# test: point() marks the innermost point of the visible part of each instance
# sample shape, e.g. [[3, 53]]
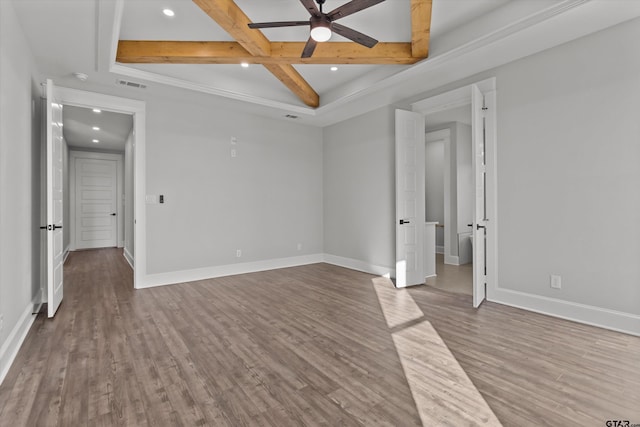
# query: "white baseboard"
[[128, 257], [440, 249], [11, 346], [581, 313], [358, 265], [183, 276], [66, 254], [451, 260]]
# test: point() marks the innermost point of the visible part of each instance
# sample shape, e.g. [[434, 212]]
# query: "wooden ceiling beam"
[[420, 27], [183, 52], [235, 22]]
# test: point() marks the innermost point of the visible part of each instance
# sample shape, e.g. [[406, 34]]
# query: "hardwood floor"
[[452, 278], [311, 345]]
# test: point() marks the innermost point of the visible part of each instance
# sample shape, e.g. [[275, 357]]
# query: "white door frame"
[[458, 98], [118, 158], [79, 98]]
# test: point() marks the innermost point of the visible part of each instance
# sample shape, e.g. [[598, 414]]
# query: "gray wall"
[[568, 161], [19, 177], [359, 192], [464, 178], [434, 186], [568, 168], [264, 201]]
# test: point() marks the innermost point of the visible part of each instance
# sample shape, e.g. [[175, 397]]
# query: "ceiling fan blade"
[[309, 48], [352, 7], [354, 35], [255, 25], [310, 5]]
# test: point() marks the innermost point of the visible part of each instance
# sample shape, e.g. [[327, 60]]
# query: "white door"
[[95, 210], [410, 209], [479, 208], [54, 202]]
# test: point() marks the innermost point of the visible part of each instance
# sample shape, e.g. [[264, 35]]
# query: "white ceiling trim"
[[184, 84]]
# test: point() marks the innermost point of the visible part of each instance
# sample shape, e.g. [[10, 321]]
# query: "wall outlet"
[[299, 246], [556, 281], [238, 253], [234, 153]]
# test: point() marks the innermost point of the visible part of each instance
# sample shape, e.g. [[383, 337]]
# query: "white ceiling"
[[467, 37], [389, 21], [78, 124]]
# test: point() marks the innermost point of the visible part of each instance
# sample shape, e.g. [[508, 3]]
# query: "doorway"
[[449, 196], [411, 144], [71, 98]]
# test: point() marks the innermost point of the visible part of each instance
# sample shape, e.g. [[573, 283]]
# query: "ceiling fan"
[[322, 24]]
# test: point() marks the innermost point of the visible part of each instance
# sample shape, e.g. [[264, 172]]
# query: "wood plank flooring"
[[311, 345]]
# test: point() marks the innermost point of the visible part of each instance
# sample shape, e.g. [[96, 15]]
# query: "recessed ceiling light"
[[244, 64], [168, 12], [97, 110], [334, 68], [95, 141], [96, 128]]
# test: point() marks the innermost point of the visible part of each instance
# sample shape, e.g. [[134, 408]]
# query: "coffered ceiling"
[[466, 37]]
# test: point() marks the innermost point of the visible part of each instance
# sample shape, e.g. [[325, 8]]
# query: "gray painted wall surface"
[[264, 201], [359, 196], [434, 186], [19, 173], [568, 168], [568, 160]]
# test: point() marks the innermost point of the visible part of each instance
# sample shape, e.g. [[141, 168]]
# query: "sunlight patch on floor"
[[442, 391]]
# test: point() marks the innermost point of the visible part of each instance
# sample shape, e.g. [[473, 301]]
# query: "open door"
[[479, 208], [410, 216], [54, 201]]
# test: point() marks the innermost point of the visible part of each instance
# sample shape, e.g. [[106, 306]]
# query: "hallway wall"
[[19, 183]]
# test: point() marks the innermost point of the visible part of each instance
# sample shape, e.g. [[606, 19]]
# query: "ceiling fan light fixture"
[[320, 29]]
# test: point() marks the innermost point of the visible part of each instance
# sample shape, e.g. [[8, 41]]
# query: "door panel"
[[55, 243], [479, 205], [410, 140], [96, 203]]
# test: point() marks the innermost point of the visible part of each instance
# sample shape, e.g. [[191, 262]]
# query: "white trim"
[[119, 159], [582, 313], [127, 255], [355, 264], [169, 278], [452, 99], [65, 254], [184, 84], [82, 98], [451, 260], [12, 344]]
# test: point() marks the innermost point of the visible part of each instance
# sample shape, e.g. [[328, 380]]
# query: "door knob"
[[404, 221], [113, 214]]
